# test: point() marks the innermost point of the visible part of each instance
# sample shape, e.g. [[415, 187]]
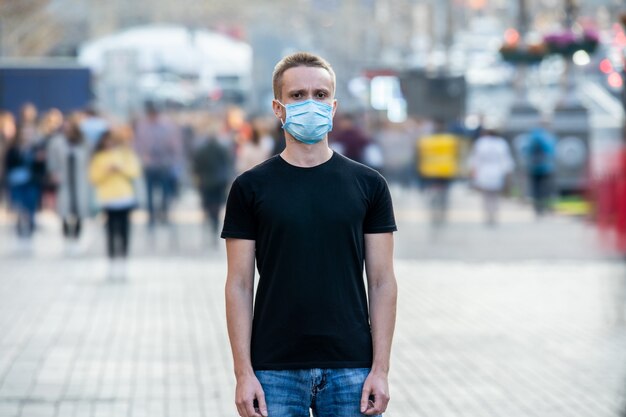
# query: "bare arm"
[[382, 289], [239, 293]]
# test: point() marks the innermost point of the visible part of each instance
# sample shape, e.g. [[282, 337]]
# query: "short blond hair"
[[298, 59]]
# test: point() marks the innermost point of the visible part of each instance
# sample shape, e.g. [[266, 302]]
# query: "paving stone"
[[513, 336], [9, 409], [38, 410]]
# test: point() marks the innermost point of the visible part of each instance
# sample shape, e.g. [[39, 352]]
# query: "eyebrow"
[[304, 90]]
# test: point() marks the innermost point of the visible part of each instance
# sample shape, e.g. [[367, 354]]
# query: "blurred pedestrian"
[[159, 145], [257, 149], [92, 126], [474, 132], [50, 127], [8, 131], [311, 218], [27, 123], [187, 123], [213, 168], [438, 157], [113, 170], [490, 164], [397, 141], [24, 173], [29, 131], [236, 126], [540, 152], [68, 167], [349, 139]]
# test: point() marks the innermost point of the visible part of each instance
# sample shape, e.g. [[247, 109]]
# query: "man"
[[311, 219], [213, 168], [159, 145], [490, 164], [540, 152], [438, 166]]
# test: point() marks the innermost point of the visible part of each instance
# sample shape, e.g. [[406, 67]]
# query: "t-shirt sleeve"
[[380, 217], [239, 221]]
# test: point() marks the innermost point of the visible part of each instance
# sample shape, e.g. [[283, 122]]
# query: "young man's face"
[[304, 83]]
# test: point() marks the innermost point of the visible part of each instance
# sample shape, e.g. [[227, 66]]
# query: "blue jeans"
[[541, 188], [25, 200], [327, 392], [159, 181]]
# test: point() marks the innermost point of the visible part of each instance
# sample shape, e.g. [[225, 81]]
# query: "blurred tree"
[[27, 28], [353, 34]]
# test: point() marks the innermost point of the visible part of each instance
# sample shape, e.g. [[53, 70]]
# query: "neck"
[[306, 156]]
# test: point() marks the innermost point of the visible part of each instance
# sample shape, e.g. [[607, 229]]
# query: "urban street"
[[521, 319]]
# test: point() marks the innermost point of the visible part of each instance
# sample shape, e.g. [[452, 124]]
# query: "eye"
[[296, 95], [321, 95]]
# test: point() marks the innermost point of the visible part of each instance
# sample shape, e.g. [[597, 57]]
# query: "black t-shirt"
[[311, 307]]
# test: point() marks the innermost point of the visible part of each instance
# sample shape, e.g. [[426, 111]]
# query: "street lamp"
[[522, 18]]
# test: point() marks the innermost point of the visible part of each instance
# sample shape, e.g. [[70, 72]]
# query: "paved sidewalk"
[[473, 340], [516, 321], [519, 235]]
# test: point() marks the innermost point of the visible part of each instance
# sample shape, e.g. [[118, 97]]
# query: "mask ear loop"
[[281, 120]]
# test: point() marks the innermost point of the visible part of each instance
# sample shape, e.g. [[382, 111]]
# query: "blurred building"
[[389, 31], [352, 34]]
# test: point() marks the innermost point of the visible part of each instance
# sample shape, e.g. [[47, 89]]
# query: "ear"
[[334, 107], [278, 110]]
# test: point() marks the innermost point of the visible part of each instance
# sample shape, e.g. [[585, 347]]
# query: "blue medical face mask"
[[308, 121]]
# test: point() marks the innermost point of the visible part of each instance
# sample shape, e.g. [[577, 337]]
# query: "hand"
[[375, 396], [250, 398]]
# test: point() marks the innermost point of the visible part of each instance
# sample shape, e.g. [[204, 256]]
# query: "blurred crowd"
[[83, 163]]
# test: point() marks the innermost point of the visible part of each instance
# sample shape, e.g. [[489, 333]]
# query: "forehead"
[[298, 78]]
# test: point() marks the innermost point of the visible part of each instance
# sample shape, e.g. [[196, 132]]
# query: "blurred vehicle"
[[231, 89], [434, 96], [47, 83], [169, 64], [168, 88]]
